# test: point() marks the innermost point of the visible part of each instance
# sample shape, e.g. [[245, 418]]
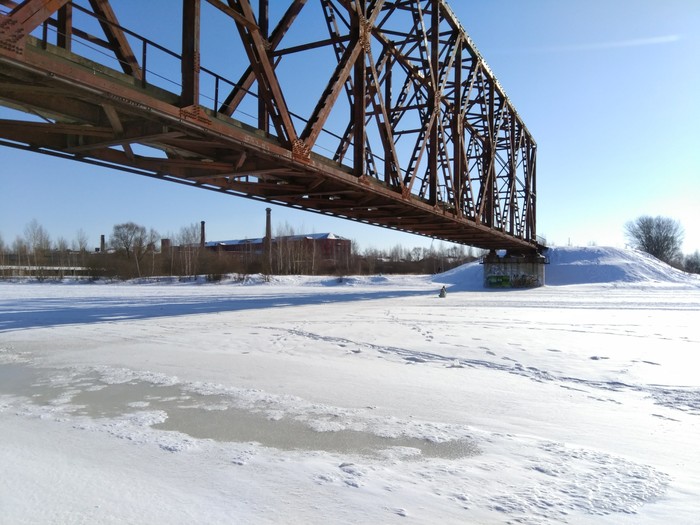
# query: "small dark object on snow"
[[443, 292]]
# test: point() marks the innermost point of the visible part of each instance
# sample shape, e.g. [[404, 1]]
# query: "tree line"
[[133, 251]]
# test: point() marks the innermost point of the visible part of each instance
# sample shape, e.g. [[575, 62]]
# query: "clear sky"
[[610, 90]]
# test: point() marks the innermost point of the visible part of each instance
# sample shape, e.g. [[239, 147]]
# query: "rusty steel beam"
[[116, 37], [24, 18], [423, 138], [65, 27], [248, 78], [189, 65], [263, 66]]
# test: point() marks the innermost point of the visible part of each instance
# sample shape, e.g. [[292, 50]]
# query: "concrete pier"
[[514, 270]]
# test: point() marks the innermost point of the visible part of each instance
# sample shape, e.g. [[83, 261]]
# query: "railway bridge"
[[378, 111]]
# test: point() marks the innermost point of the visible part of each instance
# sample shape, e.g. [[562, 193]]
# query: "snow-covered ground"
[[361, 400]]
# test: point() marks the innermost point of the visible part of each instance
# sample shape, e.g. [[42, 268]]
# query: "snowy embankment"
[[592, 265], [595, 265], [361, 400]]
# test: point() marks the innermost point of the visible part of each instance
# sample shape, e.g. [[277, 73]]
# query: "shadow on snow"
[[21, 314]]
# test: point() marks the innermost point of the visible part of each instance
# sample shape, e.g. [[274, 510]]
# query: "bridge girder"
[[422, 136]]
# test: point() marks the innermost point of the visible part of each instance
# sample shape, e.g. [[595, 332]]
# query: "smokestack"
[[102, 243], [268, 226], [202, 237], [165, 245], [267, 242]]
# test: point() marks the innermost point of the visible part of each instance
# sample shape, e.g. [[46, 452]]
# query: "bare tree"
[[188, 241], [658, 236], [133, 240], [61, 244], [128, 237], [3, 249], [38, 241], [19, 248], [62, 249], [284, 249], [80, 243], [692, 263], [372, 255], [397, 253]]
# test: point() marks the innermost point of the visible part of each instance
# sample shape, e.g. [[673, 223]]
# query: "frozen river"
[[356, 401]]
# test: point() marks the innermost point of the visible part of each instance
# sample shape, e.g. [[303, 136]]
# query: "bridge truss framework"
[[406, 127]]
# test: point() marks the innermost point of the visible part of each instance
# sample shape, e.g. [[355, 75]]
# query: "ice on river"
[[355, 400]]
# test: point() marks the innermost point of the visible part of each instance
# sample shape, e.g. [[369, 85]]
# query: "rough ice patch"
[[568, 480], [136, 427], [10, 356], [117, 376]]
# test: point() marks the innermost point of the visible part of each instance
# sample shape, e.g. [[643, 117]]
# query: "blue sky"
[[610, 90]]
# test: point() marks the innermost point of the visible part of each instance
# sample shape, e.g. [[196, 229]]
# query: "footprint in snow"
[[399, 511], [665, 417]]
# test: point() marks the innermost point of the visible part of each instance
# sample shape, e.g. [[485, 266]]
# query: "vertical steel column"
[[65, 27], [264, 23], [512, 203], [434, 102], [488, 176], [531, 190], [360, 88], [388, 157], [190, 52], [458, 133]]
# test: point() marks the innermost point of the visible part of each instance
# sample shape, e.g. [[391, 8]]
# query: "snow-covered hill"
[[594, 265], [588, 265]]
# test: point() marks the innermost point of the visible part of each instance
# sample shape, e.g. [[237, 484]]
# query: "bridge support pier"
[[513, 270]]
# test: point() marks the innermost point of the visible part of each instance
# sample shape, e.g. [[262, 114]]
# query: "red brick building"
[[327, 246]]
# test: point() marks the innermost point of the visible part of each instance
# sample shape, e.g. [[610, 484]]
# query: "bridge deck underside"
[[100, 116]]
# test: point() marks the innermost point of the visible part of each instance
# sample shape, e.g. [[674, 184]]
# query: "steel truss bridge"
[[378, 111]]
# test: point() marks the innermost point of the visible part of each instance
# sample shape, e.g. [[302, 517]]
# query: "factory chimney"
[[202, 236], [267, 242]]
